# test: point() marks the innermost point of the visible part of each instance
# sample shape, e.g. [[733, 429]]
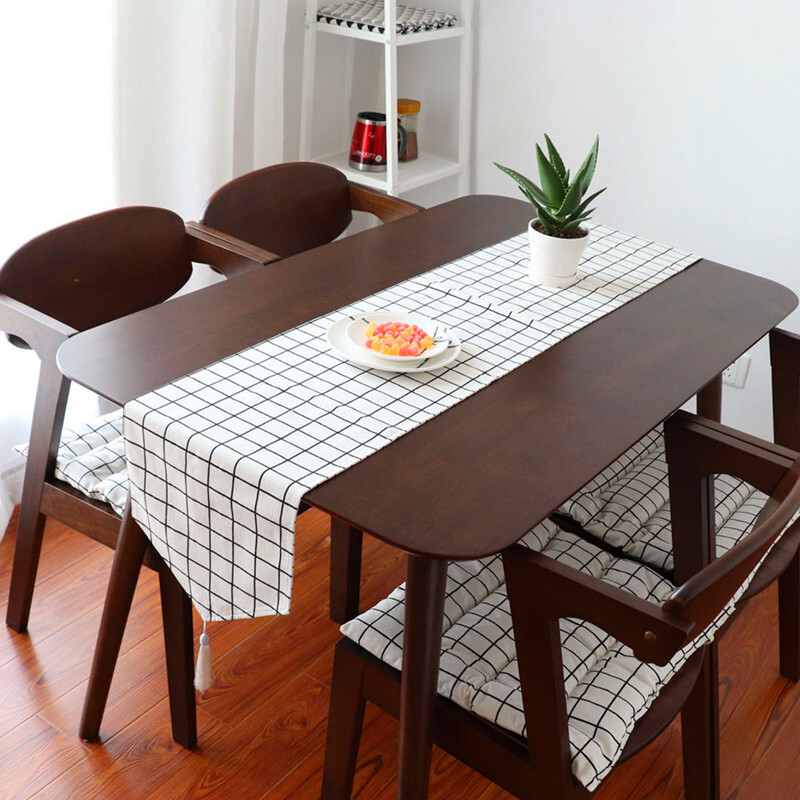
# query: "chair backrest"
[[101, 267], [285, 208]]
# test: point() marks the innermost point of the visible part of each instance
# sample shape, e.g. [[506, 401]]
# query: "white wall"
[[697, 104]]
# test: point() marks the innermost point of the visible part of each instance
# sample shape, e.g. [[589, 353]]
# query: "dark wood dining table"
[[494, 465]]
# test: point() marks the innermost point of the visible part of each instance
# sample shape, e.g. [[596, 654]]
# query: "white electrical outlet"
[[736, 374]]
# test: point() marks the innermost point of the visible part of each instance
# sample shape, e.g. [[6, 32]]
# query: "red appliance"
[[368, 148]]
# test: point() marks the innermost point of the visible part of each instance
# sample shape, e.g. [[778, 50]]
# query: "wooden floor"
[[262, 725]]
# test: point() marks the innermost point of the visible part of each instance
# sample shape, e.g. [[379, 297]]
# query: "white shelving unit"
[[399, 176]]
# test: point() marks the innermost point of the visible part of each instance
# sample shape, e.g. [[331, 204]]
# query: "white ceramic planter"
[[554, 261]]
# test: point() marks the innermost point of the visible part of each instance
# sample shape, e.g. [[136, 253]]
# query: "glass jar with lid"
[[408, 114]]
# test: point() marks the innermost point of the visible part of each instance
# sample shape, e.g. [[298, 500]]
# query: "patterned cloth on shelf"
[[368, 15], [91, 458], [607, 688]]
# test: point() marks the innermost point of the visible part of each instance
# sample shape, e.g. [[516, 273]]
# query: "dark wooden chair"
[[555, 581], [288, 208], [70, 279], [785, 371], [626, 508]]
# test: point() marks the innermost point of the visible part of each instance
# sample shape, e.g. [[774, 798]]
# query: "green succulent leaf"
[[572, 200], [549, 223], [572, 224], [548, 227], [528, 196], [586, 172], [556, 161], [551, 181], [580, 209], [541, 215], [529, 188]]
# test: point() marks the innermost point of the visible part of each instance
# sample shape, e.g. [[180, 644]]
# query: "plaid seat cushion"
[[627, 505], [607, 688], [91, 459]]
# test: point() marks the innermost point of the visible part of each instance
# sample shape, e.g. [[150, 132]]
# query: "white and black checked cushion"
[[607, 688], [91, 458], [219, 460], [368, 15], [627, 505]]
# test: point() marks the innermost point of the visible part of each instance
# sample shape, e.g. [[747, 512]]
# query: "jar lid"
[[407, 106]]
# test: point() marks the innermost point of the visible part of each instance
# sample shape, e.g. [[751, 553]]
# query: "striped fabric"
[[627, 506], [91, 459], [607, 688], [368, 15]]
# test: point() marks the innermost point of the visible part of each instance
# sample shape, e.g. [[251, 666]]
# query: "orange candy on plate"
[[397, 339]]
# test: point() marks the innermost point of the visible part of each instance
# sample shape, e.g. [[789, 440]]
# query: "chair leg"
[[125, 568], [345, 720], [789, 619], [176, 613], [345, 571], [700, 733], [28, 548], [48, 418]]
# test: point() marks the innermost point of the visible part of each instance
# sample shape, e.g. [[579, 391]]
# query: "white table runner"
[[219, 460]]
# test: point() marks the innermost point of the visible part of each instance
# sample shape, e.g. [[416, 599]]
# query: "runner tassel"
[[202, 673]]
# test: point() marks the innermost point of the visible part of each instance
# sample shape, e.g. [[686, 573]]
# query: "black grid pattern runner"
[[219, 460]]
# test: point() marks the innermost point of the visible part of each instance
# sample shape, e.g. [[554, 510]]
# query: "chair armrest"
[[384, 207], [697, 450], [784, 351], [539, 585], [224, 254], [700, 447], [39, 331]]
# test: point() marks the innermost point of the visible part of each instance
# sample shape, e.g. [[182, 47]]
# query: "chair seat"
[[607, 688], [91, 459], [627, 506]]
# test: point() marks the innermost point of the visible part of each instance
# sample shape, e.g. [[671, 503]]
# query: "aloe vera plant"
[[561, 204]]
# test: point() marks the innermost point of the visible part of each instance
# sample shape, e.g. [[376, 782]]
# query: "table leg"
[[176, 613], [128, 557], [345, 570], [709, 399], [422, 637]]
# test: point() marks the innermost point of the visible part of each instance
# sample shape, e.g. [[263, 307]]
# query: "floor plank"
[[262, 725], [31, 754]]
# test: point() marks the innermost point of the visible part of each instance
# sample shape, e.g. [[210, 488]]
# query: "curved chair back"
[[101, 267], [285, 208]]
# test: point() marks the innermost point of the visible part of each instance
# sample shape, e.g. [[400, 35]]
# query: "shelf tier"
[[383, 38], [413, 174]]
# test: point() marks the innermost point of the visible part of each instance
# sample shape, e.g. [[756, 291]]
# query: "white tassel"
[[202, 673]]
